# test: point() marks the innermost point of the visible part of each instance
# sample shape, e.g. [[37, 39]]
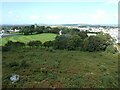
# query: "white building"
[[2, 31], [60, 32], [16, 30]]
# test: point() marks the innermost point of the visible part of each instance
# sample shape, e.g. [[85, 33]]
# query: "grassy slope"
[[61, 68], [42, 37]]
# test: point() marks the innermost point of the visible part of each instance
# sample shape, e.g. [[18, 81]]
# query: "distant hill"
[[92, 25]]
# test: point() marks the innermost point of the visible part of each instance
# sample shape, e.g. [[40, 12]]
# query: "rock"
[[14, 78]]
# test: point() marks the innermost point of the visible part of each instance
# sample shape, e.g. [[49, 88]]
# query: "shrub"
[[51, 49], [14, 44], [119, 44], [23, 64], [9, 43], [95, 43], [108, 81], [44, 70], [76, 81], [67, 41], [48, 44], [103, 68], [51, 75], [55, 30], [21, 44], [13, 64], [83, 34], [111, 49], [5, 48], [34, 43]]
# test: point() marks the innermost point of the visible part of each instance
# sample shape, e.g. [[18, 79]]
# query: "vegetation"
[[48, 44], [22, 38], [95, 43], [67, 41], [39, 68], [111, 49], [27, 30], [69, 60], [14, 44], [72, 41], [34, 43]]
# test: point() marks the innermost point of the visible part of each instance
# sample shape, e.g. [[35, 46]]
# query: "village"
[[113, 31], [56, 44]]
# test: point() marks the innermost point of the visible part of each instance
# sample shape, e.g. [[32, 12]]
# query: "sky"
[[84, 12]]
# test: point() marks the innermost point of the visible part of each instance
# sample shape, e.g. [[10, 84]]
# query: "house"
[[91, 34], [16, 30], [60, 32], [2, 31]]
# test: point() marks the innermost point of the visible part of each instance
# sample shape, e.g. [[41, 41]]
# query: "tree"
[[55, 30], [106, 38], [74, 31], [65, 30], [83, 34], [74, 42], [60, 41], [31, 29], [48, 29], [28, 30], [42, 28], [39, 29], [25, 30], [67, 41], [97, 43]]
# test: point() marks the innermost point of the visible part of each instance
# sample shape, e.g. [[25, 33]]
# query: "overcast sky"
[[92, 12]]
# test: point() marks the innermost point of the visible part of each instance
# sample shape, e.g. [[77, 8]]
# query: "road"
[[7, 35]]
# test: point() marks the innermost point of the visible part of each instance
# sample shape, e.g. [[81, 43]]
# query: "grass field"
[[60, 68], [22, 38]]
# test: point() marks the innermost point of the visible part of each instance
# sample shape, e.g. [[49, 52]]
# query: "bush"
[[13, 64], [83, 34], [21, 44], [24, 64], [95, 43], [34, 43], [48, 44], [111, 49], [51, 75], [51, 49], [119, 44], [76, 81], [108, 81], [5, 48], [14, 44], [55, 30], [9, 43], [67, 41]]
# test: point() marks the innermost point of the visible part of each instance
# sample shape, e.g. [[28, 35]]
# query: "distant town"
[[7, 30]]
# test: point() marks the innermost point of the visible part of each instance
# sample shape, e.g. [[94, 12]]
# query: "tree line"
[[74, 40], [28, 30]]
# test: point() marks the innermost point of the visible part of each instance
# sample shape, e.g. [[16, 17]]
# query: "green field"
[[22, 38], [60, 68]]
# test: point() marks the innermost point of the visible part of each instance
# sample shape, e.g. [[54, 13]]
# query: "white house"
[[2, 31], [16, 30], [60, 32], [91, 34]]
